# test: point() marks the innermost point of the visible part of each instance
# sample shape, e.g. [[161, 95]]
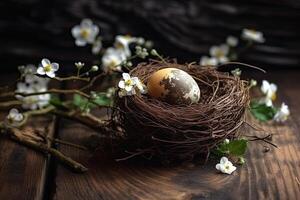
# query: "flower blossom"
[[269, 90], [15, 116], [33, 84], [122, 43], [85, 33], [130, 86], [282, 114], [232, 41], [253, 35], [207, 61], [97, 46], [220, 53], [112, 59], [47, 68], [225, 166]]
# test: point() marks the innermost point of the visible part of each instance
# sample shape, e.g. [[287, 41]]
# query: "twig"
[[70, 78], [241, 64], [68, 143], [16, 135], [9, 104], [50, 91]]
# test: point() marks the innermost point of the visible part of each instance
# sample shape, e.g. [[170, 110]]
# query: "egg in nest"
[[173, 86]]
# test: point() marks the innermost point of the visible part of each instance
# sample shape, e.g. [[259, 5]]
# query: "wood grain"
[[23, 172], [33, 29], [271, 175]]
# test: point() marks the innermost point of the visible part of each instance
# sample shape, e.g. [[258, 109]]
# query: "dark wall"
[[32, 29]]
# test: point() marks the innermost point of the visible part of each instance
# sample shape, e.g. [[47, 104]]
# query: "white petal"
[[80, 42], [45, 62], [213, 50], [128, 88], [121, 84], [55, 66], [218, 166], [51, 74], [224, 48], [126, 76], [19, 117], [86, 23], [13, 112], [76, 30], [223, 160], [41, 71]]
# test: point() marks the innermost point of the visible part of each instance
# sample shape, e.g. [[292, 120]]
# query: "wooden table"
[[25, 174]]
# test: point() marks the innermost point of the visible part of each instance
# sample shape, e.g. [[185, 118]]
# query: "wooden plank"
[[23, 172], [271, 175]]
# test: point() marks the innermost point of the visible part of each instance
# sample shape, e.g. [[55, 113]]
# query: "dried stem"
[[71, 78], [18, 136], [50, 91]]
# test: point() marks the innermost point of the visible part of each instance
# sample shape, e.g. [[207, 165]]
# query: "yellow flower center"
[[227, 167], [47, 68], [85, 33], [112, 64], [128, 82], [219, 54], [273, 97]]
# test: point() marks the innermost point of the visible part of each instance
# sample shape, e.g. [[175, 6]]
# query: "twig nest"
[[177, 132], [174, 86]]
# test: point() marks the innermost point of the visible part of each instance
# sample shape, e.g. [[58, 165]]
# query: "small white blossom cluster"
[[14, 116], [225, 166], [113, 57], [117, 55], [32, 83], [86, 33], [130, 86], [269, 90], [226, 52]]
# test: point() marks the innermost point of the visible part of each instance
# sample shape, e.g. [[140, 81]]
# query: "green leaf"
[[55, 101], [103, 100], [237, 147], [83, 103], [261, 111], [233, 148]]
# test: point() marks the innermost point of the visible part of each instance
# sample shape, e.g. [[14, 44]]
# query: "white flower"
[[97, 46], [32, 102], [15, 116], [232, 41], [140, 86], [131, 86], [122, 42], [94, 68], [33, 84], [85, 33], [220, 53], [236, 72], [112, 59], [253, 83], [207, 61], [79, 65], [282, 114], [269, 89], [48, 68], [252, 35], [28, 69], [127, 83], [225, 166], [110, 92], [226, 141]]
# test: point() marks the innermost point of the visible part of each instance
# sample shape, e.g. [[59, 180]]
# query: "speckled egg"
[[173, 86]]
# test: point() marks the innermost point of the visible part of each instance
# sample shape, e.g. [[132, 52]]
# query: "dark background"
[[185, 29]]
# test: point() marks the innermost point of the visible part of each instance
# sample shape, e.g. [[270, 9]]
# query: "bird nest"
[[155, 128]]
